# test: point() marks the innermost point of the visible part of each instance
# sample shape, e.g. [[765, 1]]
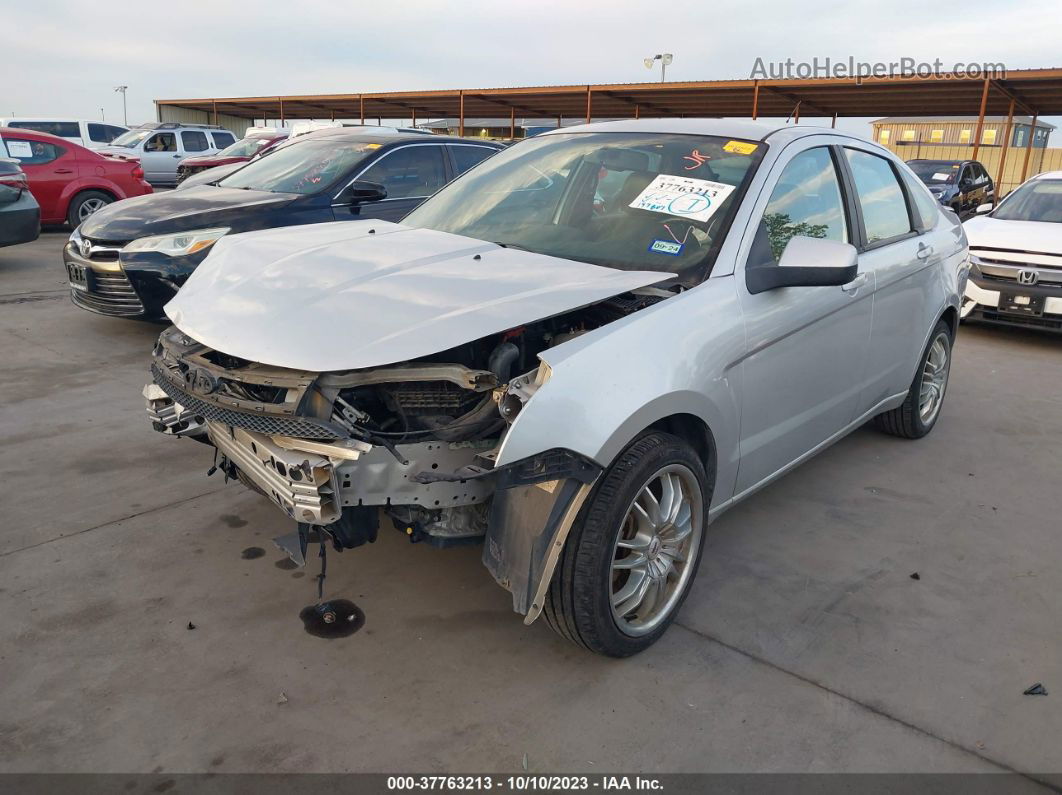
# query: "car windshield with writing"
[[935, 172], [307, 167], [632, 201]]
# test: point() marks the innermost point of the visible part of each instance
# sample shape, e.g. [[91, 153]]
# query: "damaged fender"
[[623, 362]]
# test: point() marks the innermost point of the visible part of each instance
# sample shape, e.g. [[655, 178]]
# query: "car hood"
[[355, 294], [1035, 236], [177, 211]]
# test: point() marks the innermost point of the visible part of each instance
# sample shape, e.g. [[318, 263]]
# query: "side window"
[[806, 202], [161, 142], [113, 132], [468, 156], [409, 172], [194, 141], [222, 139], [926, 206], [64, 129], [101, 133], [33, 153], [880, 196]]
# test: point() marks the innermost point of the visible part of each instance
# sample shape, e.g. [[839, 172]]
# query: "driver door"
[[159, 156], [410, 174], [806, 346]]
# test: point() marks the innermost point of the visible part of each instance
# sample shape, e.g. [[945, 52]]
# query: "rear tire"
[[918, 413], [85, 204], [640, 530]]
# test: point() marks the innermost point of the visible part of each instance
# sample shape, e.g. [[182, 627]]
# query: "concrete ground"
[[806, 645]]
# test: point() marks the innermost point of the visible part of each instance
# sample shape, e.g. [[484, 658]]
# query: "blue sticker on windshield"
[[666, 247]]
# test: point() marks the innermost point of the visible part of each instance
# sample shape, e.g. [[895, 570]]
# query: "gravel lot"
[[806, 644]]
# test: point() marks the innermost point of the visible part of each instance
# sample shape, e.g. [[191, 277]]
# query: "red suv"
[[240, 152], [69, 181]]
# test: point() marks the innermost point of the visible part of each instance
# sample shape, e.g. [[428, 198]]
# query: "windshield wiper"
[[511, 245]]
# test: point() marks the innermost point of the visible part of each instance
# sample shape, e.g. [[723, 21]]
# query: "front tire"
[[633, 552], [85, 204], [918, 413]]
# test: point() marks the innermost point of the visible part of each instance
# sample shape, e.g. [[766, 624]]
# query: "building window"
[[964, 136], [908, 135], [988, 138], [1019, 137], [936, 136], [883, 137]]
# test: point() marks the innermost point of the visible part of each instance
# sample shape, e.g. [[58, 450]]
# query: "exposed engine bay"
[[416, 441]]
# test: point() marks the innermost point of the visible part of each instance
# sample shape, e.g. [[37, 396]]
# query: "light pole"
[[125, 117], [665, 61]]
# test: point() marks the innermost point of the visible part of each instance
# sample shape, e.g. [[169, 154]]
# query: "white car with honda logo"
[[1016, 257]]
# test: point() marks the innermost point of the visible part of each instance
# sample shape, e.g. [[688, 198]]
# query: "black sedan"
[[131, 257]]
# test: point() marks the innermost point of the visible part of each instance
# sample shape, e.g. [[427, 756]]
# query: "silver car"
[[579, 353]]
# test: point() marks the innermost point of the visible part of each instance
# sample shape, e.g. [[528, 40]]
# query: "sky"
[[64, 57]]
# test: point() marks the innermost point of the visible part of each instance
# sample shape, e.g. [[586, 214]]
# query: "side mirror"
[[362, 193], [983, 208], [806, 262]]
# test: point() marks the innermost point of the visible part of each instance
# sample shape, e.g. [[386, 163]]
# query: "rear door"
[[159, 156], [410, 174], [807, 346], [49, 167], [902, 257]]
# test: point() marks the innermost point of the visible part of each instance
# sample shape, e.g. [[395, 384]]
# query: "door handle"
[[64, 171], [855, 284], [924, 251], [176, 155]]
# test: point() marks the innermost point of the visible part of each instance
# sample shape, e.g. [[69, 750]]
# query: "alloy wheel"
[[656, 550], [934, 380]]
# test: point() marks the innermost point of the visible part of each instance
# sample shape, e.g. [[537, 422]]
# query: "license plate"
[[78, 275], [1021, 304]]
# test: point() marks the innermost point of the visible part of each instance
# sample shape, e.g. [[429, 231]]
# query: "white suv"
[[162, 146], [90, 134]]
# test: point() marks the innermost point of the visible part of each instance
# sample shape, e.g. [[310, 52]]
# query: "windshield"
[[633, 201], [244, 148], [1035, 201], [131, 138], [935, 172], [305, 167]]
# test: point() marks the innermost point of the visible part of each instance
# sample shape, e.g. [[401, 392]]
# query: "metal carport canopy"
[[1033, 91]]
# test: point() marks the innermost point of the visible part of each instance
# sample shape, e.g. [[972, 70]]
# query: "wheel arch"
[[90, 188]]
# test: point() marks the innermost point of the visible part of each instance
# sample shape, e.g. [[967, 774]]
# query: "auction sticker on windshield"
[[686, 197]]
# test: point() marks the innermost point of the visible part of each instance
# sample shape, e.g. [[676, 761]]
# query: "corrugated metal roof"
[[1032, 91], [950, 119]]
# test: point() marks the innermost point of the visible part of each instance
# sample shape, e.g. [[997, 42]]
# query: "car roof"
[[749, 130], [359, 135], [1049, 175]]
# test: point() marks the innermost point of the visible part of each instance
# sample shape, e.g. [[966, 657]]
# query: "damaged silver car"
[[578, 353]]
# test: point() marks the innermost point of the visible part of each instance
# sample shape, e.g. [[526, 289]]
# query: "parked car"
[[962, 185], [298, 130], [130, 259], [255, 142], [580, 352], [20, 216], [161, 147], [84, 132], [1016, 256], [69, 181]]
